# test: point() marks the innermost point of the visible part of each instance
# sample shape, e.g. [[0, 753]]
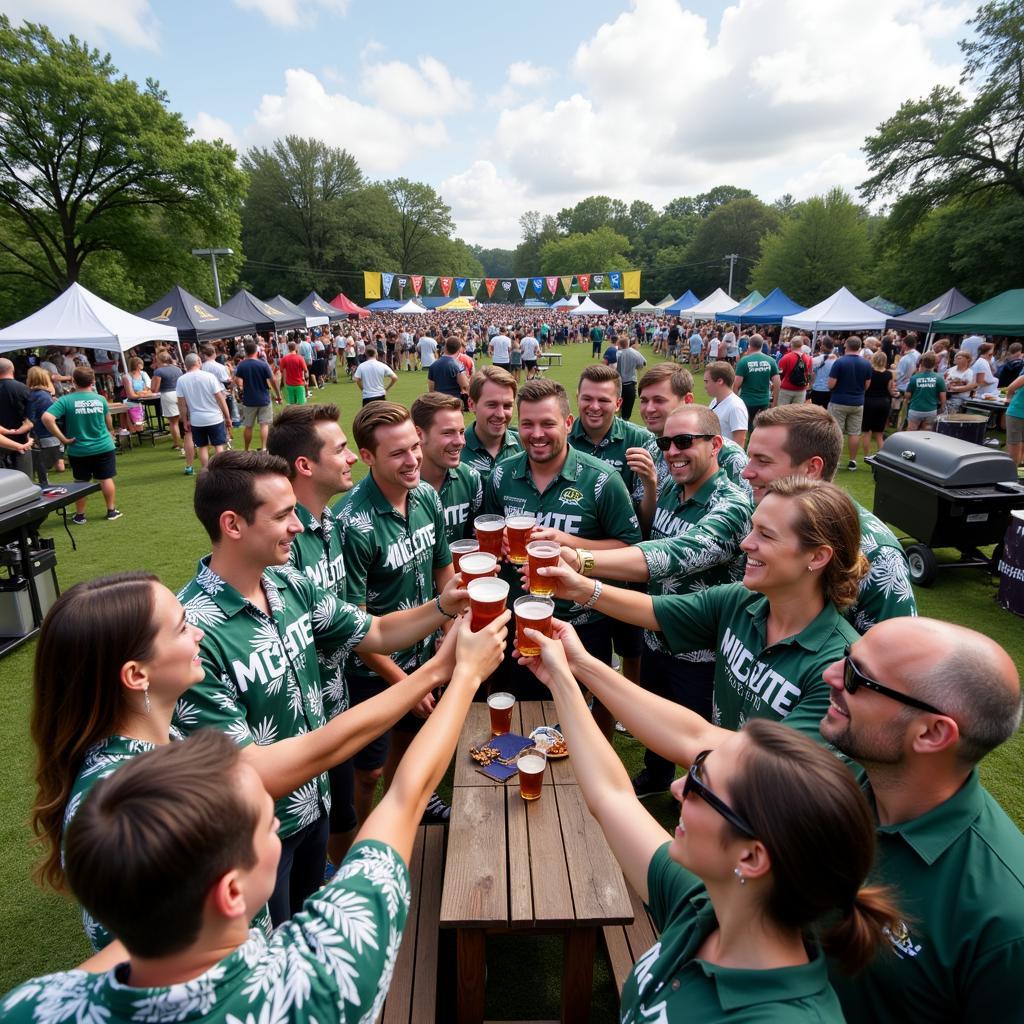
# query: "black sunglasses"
[[695, 784], [853, 679], [681, 441]]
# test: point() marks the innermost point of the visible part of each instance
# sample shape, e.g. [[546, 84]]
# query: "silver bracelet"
[[598, 587], [437, 601]]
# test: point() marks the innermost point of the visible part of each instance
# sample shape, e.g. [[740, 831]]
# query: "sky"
[[534, 106]]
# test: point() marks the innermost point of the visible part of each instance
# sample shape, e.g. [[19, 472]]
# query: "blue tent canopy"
[[776, 305], [683, 302], [745, 305], [384, 305], [433, 301]]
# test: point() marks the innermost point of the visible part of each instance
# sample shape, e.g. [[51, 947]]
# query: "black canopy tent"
[[315, 304], [264, 316], [309, 319], [193, 318], [922, 318]]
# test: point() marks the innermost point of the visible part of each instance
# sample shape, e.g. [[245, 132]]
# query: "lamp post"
[[213, 254]]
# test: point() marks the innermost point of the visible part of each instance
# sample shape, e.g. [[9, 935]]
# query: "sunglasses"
[[854, 679], [695, 784], [681, 441]]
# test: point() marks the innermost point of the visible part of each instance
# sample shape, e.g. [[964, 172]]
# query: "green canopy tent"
[[1003, 314]]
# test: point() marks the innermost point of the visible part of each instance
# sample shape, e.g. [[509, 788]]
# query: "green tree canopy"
[[422, 213], [602, 249]]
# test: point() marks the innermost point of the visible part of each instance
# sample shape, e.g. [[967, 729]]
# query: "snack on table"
[[550, 740]]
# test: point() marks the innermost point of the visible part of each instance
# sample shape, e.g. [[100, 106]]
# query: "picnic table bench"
[[625, 944], [549, 356]]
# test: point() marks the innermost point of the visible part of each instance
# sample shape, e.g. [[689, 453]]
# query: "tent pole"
[[181, 355]]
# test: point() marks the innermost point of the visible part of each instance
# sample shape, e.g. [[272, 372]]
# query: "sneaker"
[[114, 513], [78, 519], [644, 786], [437, 812], [188, 471], [851, 465], [619, 727]]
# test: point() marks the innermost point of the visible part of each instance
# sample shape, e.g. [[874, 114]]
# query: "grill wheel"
[[924, 566]]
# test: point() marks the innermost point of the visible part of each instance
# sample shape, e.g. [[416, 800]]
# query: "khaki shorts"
[[787, 397], [849, 417], [253, 414], [1015, 429]]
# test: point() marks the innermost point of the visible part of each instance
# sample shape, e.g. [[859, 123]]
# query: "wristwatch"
[[586, 561]]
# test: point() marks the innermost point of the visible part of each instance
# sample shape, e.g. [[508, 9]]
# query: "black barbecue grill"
[[945, 493]]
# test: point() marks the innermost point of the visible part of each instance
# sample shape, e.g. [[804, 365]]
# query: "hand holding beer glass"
[[542, 553], [487, 598], [531, 764], [532, 613]]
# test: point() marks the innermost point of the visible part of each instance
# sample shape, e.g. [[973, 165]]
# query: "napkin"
[[508, 746]]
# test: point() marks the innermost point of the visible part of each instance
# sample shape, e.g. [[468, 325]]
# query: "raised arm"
[[397, 630]]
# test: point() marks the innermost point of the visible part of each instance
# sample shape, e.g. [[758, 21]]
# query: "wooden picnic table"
[[549, 356], [526, 867]]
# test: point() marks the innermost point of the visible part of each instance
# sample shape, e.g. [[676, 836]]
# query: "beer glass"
[[519, 528], [476, 565], [460, 548], [500, 706], [531, 763], [542, 553], [532, 613], [489, 530], [487, 599]]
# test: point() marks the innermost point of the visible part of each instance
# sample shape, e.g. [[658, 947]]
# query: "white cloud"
[[291, 13], [524, 74], [402, 89], [131, 21], [485, 206], [208, 127]]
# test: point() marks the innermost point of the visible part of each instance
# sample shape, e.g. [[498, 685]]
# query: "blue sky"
[[536, 105]]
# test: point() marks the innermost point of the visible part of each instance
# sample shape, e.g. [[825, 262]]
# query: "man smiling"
[[489, 438]]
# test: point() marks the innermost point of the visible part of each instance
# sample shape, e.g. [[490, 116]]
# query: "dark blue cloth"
[[849, 373], [255, 376], [39, 401], [445, 375]]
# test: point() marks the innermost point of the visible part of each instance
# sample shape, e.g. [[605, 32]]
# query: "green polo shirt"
[[671, 983], [586, 499], [317, 552], [924, 390], [886, 592], [757, 371], [391, 558], [957, 874], [84, 417], [753, 679], [695, 544], [612, 447], [333, 961], [262, 674], [462, 497], [477, 456]]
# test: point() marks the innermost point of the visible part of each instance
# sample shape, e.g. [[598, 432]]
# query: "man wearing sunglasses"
[[918, 703]]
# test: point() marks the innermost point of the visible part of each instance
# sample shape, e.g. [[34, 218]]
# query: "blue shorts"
[[203, 436]]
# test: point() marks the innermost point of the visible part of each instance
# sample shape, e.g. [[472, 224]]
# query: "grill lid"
[[944, 461]]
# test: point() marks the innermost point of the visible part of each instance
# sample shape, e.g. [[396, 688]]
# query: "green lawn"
[[159, 533]]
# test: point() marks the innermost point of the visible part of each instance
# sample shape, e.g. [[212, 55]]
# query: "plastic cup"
[[542, 553], [518, 528], [489, 530], [500, 706], [532, 613], [462, 547], [487, 599], [476, 565], [531, 764]]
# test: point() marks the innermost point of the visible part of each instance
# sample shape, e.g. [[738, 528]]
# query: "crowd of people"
[[207, 761]]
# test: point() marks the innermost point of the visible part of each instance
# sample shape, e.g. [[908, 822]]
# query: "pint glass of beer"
[[542, 553], [531, 763], [532, 613], [519, 528], [500, 705], [487, 599], [460, 548], [476, 565], [489, 531]]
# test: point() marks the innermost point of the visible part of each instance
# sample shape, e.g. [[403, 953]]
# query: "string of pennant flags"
[[378, 284]]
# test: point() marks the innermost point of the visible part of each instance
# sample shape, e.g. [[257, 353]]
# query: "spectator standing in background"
[[628, 360], [795, 369], [849, 379]]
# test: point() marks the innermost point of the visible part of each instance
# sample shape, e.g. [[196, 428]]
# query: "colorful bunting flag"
[[552, 283], [417, 283], [507, 285], [567, 284], [474, 285], [521, 285], [538, 284], [615, 280], [371, 284], [631, 284], [387, 279], [598, 280], [584, 282], [491, 283], [402, 282], [431, 284], [446, 285], [377, 284]]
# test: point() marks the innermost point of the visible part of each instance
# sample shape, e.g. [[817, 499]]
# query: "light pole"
[[213, 254], [732, 257]]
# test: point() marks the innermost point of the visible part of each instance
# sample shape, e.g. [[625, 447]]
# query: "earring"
[[739, 875], [145, 694], [810, 568]]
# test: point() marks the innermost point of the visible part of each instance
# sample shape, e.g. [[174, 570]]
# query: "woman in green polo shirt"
[[761, 878]]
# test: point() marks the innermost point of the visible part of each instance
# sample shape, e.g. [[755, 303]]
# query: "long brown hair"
[[87, 636], [802, 802]]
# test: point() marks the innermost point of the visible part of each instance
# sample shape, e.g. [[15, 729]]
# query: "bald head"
[[6, 368]]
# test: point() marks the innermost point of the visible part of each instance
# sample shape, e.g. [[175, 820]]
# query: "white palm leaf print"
[[201, 610], [265, 733], [187, 714], [390, 956], [360, 521], [351, 914], [304, 803], [328, 946], [209, 580], [179, 1002], [890, 575], [324, 612], [384, 870], [499, 472], [599, 486]]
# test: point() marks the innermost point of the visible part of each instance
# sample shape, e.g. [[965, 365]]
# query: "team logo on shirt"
[[570, 496], [903, 944]]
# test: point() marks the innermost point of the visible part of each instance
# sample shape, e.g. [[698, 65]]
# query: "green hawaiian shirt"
[[391, 558], [317, 552], [731, 457], [477, 456], [612, 447], [262, 675], [586, 499], [757, 371], [886, 591], [695, 544], [332, 962], [462, 497], [781, 681]]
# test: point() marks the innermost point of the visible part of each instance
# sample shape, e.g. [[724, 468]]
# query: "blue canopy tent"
[[433, 301], [683, 302], [745, 305], [776, 305], [384, 305]]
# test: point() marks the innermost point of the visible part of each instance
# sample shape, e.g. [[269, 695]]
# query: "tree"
[[733, 227], [785, 204], [94, 171], [822, 247], [949, 146], [495, 262], [421, 214], [592, 213], [536, 231], [593, 251]]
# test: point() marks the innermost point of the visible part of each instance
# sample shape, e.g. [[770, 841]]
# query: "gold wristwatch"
[[586, 561]]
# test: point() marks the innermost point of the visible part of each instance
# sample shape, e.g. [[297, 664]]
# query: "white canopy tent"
[[717, 302], [410, 307], [588, 307], [841, 311], [568, 302], [645, 307], [80, 319]]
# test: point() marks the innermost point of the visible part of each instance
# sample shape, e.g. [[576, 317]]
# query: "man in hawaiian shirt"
[[489, 438]]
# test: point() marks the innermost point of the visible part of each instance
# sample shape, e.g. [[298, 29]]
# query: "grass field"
[[41, 932]]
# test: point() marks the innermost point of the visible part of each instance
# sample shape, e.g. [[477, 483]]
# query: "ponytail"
[[854, 940]]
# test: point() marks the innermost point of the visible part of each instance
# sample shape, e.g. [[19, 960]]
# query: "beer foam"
[[533, 610], [477, 562], [543, 549], [501, 701], [488, 589], [489, 523], [531, 764], [520, 522]]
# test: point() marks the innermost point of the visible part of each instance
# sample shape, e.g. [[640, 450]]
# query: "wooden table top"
[[518, 864]]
